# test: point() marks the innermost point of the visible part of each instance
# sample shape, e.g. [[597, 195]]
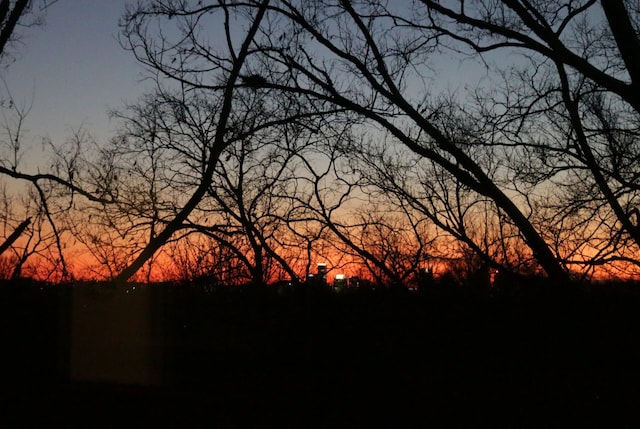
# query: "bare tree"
[[360, 63], [568, 107], [368, 58], [32, 247], [188, 55], [209, 105], [47, 193], [542, 156], [16, 14]]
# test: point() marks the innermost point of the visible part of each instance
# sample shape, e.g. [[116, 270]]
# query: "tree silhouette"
[[233, 146], [363, 58], [135, 31], [567, 113], [534, 167]]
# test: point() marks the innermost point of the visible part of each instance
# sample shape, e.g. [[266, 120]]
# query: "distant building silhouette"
[[311, 279], [426, 278], [340, 281], [322, 274], [354, 282]]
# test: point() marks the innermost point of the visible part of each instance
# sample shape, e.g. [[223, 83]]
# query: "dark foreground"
[[535, 358]]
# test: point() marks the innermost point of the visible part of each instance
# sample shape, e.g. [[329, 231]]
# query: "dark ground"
[[536, 358]]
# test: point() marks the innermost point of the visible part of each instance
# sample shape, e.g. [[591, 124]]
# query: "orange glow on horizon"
[[83, 265]]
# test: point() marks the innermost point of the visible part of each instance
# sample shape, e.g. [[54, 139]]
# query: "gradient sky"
[[74, 69]]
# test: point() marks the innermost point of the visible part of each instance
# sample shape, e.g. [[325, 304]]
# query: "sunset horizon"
[[320, 213]]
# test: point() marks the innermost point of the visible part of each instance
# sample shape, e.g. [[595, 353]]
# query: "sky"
[[74, 70]]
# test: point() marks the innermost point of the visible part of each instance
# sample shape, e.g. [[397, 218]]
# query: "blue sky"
[[74, 69]]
